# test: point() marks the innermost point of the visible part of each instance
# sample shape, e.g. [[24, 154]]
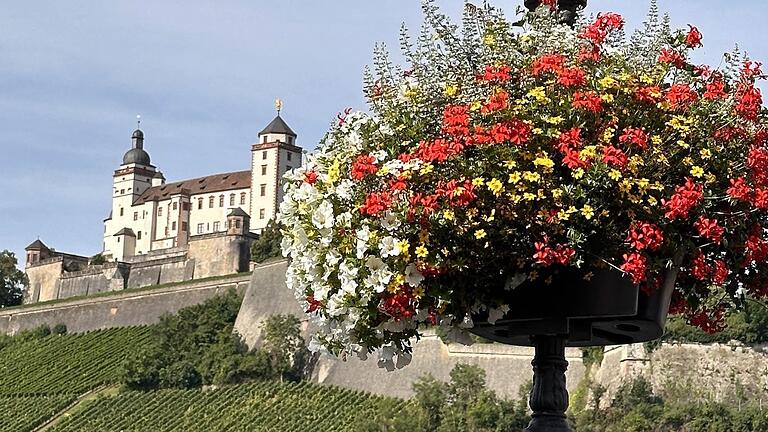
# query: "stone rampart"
[[219, 253], [127, 308]]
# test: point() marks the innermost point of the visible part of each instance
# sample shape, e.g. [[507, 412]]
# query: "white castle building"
[[149, 214]]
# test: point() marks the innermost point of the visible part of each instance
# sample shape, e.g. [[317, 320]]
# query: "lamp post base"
[[549, 396]]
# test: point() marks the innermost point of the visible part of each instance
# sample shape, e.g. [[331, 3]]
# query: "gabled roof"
[[237, 211], [36, 245], [195, 186], [278, 126], [126, 232]]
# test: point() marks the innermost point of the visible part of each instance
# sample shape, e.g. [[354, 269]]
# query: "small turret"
[[238, 222]]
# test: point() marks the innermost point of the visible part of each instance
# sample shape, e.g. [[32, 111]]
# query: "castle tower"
[[135, 175], [238, 222], [274, 154], [36, 252]]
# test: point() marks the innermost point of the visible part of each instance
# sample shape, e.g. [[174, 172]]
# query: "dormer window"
[[264, 140], [290, 141]]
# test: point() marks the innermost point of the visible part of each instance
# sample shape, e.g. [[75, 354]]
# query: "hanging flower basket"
[[528, 178]]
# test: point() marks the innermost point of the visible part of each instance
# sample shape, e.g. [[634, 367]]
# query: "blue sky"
[[203, 75]]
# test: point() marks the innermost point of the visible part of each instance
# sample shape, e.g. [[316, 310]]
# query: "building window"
[[242, 198], [138, 235], [210, 201], [118, 239], [263, 190], [122, 191], [221, 200], [175, 206], [216, 226], [185, 206], [200, 228], [263, 170], [173, 226], [135, 216], [231, 200], [121, 211], [184, 226], [262, 213], [264, 154], [290, 155], [159, 211], [237, 223], [264, 140], [290, 141], [199, 203]]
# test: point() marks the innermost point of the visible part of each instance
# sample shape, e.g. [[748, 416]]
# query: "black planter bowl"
[[606, 310]]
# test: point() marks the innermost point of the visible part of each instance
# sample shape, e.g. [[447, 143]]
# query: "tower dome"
[[137, 154]]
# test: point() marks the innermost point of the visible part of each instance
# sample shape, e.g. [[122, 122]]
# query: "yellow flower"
[[710, 178], [423, 236], [563, 215], [421, 251], [554, 120], [607, 98], [557, 193], [533, 275], [656, 140], [625, 185], [588, 152], [510, 164], [495, 186], [608, 134], [448, 214], [514, 177], [544, 161], [539, 94], [427, 168], [587, 211], [480, 234], [474, 106], [478, 181], [537, 131], [531, 176], [403, 246], [529, 196], [607, 81], [697, 171], [705, 153], [418, 292], [642, 184], [333, 172], [451, 90], [615, 174], [687, 160], [489, 40], [578, 173], [652, 201], [683, 144]]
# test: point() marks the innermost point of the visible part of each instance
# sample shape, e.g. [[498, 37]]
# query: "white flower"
[[388, 246], [344, 219], [323, 216], [344, 189], [390, 221], [495, 314], [413, 276], [361, 245]]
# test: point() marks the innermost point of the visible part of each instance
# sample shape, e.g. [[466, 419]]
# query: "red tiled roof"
[[201, 185]]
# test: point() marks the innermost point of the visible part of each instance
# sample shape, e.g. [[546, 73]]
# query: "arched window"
[[199, 203], [231, 200], [242, 198], [210, 202], [221, 200]]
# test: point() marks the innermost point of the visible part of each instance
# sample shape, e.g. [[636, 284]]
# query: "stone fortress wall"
[[720, 371], [64, 276]]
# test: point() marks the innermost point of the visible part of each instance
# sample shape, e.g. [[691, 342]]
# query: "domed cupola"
[[137, 155]]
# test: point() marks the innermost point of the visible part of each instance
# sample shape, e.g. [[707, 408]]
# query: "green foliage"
[[97, 259], [637, 409], [285, 347], [67, 364], [592, 356], [749, 326], [59, 329], [24, 413], [463, 404], [268, 243], [12, 280], [265, 406]]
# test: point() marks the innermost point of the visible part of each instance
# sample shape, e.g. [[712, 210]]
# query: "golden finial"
[[278, 105]]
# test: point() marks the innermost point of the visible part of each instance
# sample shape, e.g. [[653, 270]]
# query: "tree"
[[285, 346], [268, 243], [12, 280]]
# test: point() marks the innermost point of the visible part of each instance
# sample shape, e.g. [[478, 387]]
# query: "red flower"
[[751, 69], [756, 247], [760, 198], [739, 189], [572, 159], [757, 161], [589, 100], [681, 96], [376, 203], [310, 177], [599, 30], [720, 273], [313, 304], [456, 120], [614, 157], [683, 200], [693, 39], [496, 102], [399, 305], [650, 94], [516, 132], [635, 136], [645, 235], [570, 139], [709, 321], [492, 73], [715, 89], [635, 264], [672, 57], [710, 229], [699, 267], [748, 103], [547, 256], [548, 63], [362, 166], [572, 77]]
